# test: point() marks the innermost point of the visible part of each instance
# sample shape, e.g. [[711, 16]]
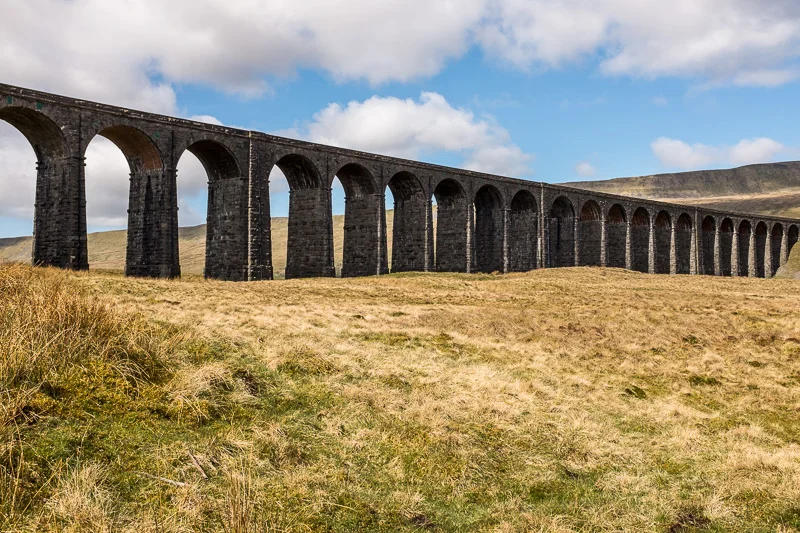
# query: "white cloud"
[[660, 101], [412, 128], [677, 154], [585, 169]]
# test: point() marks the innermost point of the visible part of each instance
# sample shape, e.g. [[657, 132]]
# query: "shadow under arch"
[[662, 242], [640, 240], [561, 232], [411, 217], [363, 253], [726, 259], [489, 228], [590, 234], [746, 248], [451, 226], [684, 229], [309, 246], [616, 234], [761, 249], [523, 231], [708, 230]]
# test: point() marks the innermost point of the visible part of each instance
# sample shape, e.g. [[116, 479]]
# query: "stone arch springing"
[[522, 232], [776, 241], [360, 247], [590, 228], [59, 227], [761, 249], [662, 242], [726, 247], [616, 236], [683, 244], [794, 234], [152, 247], [226, 220], [309, 246], [451, 227], [709, 229], [489, 229], [640, 240], [409, 225], [745, 232], [562, 233]]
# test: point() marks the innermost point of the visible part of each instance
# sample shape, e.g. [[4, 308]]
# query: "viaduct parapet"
[[484, 223]]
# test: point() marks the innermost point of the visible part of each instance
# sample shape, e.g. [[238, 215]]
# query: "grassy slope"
[[107, 249], [772, 189], [560, 400]]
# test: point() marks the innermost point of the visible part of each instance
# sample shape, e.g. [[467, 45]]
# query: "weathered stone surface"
[[484, 223]]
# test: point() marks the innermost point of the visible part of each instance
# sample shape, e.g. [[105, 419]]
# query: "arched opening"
[[562, 233], [152, 239], [683, 244], [522, 232], [451, 227], [309, 233], [709, 235], [407, 220], [792, 238], [226, 232], [745, 237], [640, 240], [726, 260], [360, 247], [590, 231], [488, 230], [777, 240], [662, 242], [616, 235], [59, 233], [761, 249]]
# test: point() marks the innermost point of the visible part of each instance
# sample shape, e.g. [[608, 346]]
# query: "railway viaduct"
[[484, 223]]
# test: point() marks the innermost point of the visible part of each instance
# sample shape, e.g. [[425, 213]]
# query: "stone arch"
[[793, 236], [522, 232], [662, 242], [640, 240], [451, 226], [489, 229], [409, 225], [726, 260], [226, 219], [152, 247], [683, 244], [761, 249], [309, 246], [709, 230], [59, 227], [776, 235], [562, 233], [590, 228], [745, 232], [617, 236], [360, 247]]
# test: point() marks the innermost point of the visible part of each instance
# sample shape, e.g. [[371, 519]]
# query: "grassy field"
[[559, 400]]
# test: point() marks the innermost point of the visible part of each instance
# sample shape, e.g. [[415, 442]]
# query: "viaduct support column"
[[651, 248], [628, 246], [576, 241], [717, 253], [428, 250], [259, 254], [153, 225], [693, 270], [310, 240], [673, 250], [785, 246], [735, 266], [603, 240], [752, 256], [768, 255], [506, 216]]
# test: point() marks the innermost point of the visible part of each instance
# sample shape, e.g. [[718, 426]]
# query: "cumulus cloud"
[[585, 169], [413, 128], [674, 153]]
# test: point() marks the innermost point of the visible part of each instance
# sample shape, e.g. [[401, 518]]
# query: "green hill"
[[770, 189]]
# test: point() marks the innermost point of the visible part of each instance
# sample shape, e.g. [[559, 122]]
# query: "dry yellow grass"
[[559, 400]]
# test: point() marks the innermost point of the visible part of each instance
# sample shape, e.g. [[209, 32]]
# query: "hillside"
[[558, 400], [771, 189]]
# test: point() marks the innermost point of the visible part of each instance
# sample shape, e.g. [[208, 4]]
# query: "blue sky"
[[542, 89]]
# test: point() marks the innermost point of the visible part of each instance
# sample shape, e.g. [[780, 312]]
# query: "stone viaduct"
[[484, 223]]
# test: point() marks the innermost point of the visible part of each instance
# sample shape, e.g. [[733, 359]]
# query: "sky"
[[548, 90]]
